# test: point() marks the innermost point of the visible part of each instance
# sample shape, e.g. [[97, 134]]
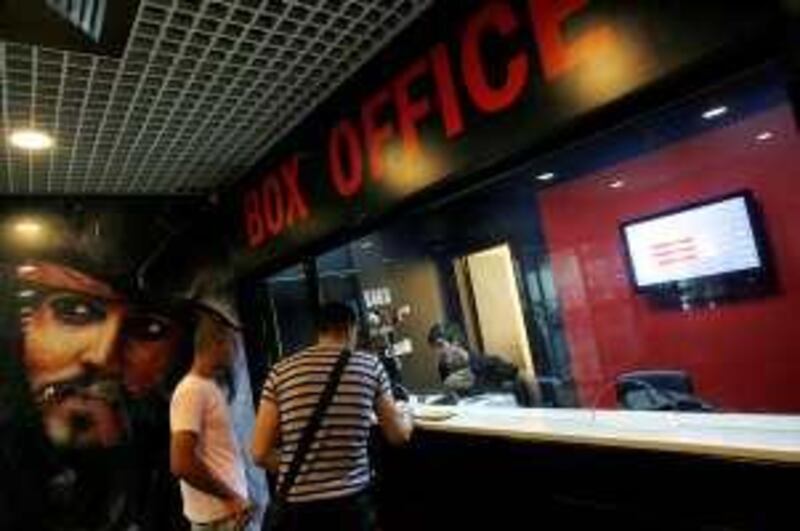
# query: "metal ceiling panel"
[[201, 92]]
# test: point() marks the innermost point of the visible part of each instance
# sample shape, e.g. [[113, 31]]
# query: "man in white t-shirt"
[[204, 451]]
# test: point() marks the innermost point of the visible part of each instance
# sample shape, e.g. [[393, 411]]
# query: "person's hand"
[[405, 408], [407, 412], [236, 504], [241, 511]]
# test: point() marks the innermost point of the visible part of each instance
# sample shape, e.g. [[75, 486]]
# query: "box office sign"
[[94, 26], [502, 75]]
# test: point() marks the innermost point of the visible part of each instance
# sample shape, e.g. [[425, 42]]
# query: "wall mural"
[[93, 347]]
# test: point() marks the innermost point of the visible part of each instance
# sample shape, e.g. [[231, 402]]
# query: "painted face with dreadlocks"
[[87, 351]]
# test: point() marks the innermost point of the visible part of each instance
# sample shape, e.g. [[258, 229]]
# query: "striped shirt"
[[336, 464]]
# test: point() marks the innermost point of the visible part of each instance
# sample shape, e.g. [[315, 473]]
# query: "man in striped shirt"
[[330, 490]]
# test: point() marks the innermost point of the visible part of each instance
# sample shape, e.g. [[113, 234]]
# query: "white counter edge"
[[764, 436]]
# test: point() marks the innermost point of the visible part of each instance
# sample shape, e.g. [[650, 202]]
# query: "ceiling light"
[[31, 139], [26, 294], [26, 269], [546, 176], [765, 135], [28, 231], [28, 228], [715, 112], [616, 183]]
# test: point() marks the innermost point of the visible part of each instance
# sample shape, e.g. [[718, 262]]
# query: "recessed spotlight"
[[616, 184], [549, 176], [765, 135], [31, 139], [27, 231], [28, 228], [26, 269], [715, 112]]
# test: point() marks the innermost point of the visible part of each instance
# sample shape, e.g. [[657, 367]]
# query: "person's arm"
[[267, 428], [185, 465], [443, 369], [188, 407], [265, 436], [396, 423]]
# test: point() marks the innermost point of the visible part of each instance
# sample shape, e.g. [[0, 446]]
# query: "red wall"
[[743, 356]]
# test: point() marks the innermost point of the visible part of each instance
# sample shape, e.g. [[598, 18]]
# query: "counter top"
[[774, 438]]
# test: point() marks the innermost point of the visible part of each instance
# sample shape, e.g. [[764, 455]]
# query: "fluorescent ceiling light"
[[715, 112]]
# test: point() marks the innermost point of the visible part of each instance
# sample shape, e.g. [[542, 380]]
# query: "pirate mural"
[[92, 348]]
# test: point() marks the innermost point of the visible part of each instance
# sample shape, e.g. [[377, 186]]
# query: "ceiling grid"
[[208, 122], [9, 180], [204, 88]]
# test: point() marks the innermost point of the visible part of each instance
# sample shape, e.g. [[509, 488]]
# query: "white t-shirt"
[[199, 405]]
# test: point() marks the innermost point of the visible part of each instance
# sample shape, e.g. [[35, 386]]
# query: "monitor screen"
[[707, 240]]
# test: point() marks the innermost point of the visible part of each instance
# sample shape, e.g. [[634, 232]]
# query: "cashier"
[[469, 373]]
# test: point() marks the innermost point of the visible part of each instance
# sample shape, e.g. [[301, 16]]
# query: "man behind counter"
[[469, 373]]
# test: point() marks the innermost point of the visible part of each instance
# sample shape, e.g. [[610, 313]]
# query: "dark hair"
[[437, 333], [447, 331], [335, 316]]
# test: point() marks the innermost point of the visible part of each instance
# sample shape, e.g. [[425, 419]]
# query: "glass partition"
[[292, 305], [652, 267]]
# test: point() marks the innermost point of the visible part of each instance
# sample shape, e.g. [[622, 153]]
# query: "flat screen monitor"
[[717, 243]]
